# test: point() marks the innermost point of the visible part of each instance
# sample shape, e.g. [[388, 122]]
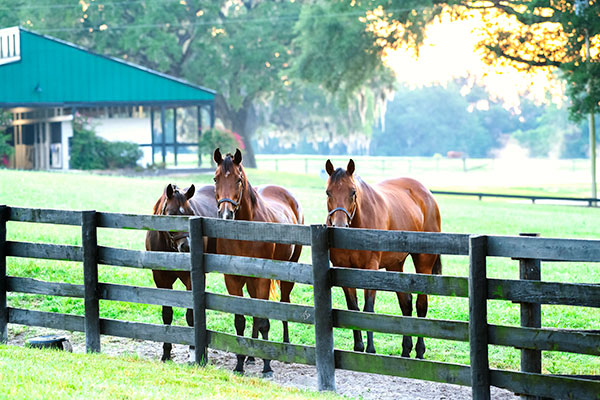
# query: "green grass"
[[80, 191], [29, 373]]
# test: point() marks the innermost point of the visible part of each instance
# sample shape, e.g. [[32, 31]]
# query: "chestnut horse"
[[175, 201], [238, 200], [401, 204]]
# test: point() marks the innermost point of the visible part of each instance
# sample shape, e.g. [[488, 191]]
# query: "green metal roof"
[[52, 72]]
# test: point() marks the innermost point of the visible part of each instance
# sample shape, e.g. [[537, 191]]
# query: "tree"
[[243, 49], [432, 120]]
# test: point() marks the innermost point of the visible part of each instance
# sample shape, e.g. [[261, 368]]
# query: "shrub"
[[5, 148], [224, 139], [89, 151]]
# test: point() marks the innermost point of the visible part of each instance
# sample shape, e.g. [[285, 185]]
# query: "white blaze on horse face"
[[225, 212], [181, 210]]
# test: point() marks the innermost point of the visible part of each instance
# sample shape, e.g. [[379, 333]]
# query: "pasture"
[[29, 373], [80, 191]]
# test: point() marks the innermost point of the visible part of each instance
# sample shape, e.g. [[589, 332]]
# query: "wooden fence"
[[591, 201], [477, 287]]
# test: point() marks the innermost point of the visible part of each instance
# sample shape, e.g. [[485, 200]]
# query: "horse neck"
[[248, 208], [364, 203]]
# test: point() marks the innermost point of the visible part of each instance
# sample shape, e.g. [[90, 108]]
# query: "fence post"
[[198, 278], [323, 312], [531, 316], [90, 281], [4, 210], [478, 341]]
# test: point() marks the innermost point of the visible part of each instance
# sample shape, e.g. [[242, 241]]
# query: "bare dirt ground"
[[349, 384]]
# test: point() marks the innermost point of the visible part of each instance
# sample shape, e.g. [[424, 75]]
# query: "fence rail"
[[591, 201], [531, 338]]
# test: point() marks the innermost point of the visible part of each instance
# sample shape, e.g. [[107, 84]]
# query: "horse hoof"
[[371, 350], [250, 361], [406, 354], [420, 356], [238, 372], [267, 375]]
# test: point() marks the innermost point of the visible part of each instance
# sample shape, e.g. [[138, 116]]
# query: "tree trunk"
[[243, 122]]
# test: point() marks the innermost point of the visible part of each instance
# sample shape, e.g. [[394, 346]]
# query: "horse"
[[400, 204], [176, 201], [238, 200]]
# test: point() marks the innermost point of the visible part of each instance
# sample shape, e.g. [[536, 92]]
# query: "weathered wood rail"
[[477, 287]]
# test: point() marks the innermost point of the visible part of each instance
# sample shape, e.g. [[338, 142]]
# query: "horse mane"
[[337, 175], [227, 165], [159, 205]]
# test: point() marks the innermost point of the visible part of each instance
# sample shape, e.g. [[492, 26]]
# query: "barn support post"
[[198, 290], [152, 132], [175, 135], [90, 281], [163, 127], [325, 359], [478, 340], [531, 316], [199, 123], [4, 210]]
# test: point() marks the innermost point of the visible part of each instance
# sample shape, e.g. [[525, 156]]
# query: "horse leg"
[[167, 317], [235, 286], [240, 326], [189, 314], [262, 287], [370, 307], [263, 327], [424, 264], [165, 280], [405, 301], [286, 288], [370, 303], [421, 313], [252, 292], [352, 303]]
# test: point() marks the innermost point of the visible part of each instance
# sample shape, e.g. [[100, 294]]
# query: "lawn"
[[81, 191], [29, 373]]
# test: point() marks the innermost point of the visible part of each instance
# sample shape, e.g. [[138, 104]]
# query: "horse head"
[[175, 201], [230, 183], [341, 195]]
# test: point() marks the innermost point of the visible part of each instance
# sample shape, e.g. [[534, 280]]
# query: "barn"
[[46, 83]]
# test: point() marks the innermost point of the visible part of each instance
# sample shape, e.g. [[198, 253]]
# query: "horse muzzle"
[[183, 245]]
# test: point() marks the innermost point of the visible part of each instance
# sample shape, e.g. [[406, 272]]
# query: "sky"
[[449, 52]]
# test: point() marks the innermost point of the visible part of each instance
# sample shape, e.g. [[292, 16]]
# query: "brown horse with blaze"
[[237, 199], [401, 204], [176, 201]]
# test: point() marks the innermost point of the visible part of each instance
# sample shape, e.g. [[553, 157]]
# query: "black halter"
[[236, 204], [348, 215]]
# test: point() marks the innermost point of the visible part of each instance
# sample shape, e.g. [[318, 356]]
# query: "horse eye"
[[353, 193], [215, 180], [328, 193]]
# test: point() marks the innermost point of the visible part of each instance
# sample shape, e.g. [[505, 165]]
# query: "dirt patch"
[[350, 384]]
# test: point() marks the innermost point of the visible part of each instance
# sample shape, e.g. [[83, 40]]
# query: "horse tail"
[[437, 267], [273, 295]]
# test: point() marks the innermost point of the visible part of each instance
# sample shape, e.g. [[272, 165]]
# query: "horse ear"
[[237, 157], [329, 167], [217, 156], [169, 191], [190, 192], [350, 167]]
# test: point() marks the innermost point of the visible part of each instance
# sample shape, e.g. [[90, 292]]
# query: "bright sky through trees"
[[449, 52]]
